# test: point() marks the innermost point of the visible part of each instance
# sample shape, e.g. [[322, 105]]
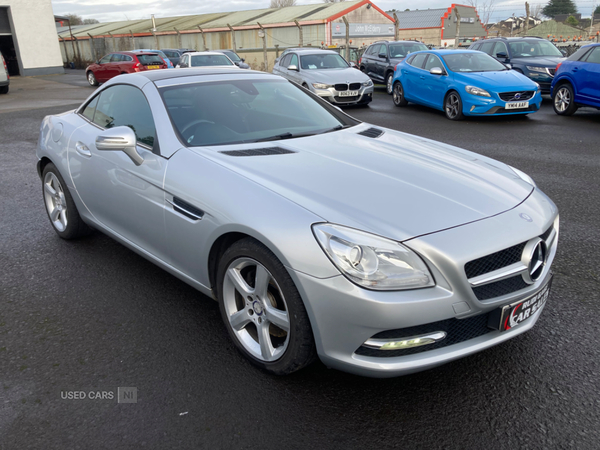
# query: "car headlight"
[[321, 86], [477, 91], [523, 176], [539, 88], [371, 261], [367, 83], [536, 69]]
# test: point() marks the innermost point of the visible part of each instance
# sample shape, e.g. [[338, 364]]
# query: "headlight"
[[321, 86], [477, 91], [523, 176], [367, 83], [536, 69], [539, 88], [371, 261]]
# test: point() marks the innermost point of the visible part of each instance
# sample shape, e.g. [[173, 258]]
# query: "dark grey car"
[[174, 54]]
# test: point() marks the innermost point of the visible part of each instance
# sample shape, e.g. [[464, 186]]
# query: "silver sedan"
[[381, 252], [327, 74]]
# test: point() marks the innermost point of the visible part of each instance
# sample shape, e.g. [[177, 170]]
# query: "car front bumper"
[[474, 105], [345, 316], [365, 95]]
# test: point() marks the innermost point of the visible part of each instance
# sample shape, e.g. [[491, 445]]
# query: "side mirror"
[[120, 139], [382, 55], [178, 66], [293, 67], [436, 71], [243, 59], [501, 55], [352, 64], [563, 51], [97, 62]]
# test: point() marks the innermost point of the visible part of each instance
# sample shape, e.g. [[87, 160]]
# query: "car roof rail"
[[376, 42]]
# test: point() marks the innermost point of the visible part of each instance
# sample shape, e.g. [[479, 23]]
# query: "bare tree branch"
[[485, 9], [332, 1], [282, 3]]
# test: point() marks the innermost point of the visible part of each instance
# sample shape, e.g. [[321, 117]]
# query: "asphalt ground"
[[92, 316]]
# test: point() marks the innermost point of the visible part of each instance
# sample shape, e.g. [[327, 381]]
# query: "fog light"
[[410, 342]]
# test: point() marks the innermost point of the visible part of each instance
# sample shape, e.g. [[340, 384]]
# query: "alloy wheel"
[[256, 309], [452, 106], [54, 199], [562, 100], [388, 84]]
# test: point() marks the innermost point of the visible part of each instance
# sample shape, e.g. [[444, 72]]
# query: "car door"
[[589, 76], [126, 198], [488, 47], [101, 73], [381, 62], [294, 75], [411, 74], [281, 68], [114, 67], [433, 87]]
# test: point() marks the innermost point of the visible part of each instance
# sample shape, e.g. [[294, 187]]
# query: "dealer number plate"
[[153, 67], [348, 93], [517, 105]]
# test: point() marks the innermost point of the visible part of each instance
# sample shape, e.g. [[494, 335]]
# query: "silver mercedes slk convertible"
[[380, 252]]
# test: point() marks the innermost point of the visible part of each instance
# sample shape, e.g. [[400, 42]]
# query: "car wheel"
[[60, 206], [388, 83], [92, 79], [262, 309], [453, 106], [398, 95], [564, 100], [4, 90]]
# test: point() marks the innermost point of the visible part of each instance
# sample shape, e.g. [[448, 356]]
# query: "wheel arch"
[[41, 164], [564, 80]]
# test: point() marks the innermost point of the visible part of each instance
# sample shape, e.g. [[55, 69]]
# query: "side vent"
[[258, 152], [372, 133]]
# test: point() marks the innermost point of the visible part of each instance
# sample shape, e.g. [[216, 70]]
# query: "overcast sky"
[[113, 10]]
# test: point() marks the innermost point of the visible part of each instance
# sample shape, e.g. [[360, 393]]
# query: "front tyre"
[[262, 309], [453, 106], [92, 79], [388, 83], [60, 206], [398, 95], [563, 100], [4, 89]]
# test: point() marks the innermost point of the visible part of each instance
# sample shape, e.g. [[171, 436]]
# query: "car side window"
[[294, 60], [183, 61], [123, 105], [106, 59], [500, 47], [116, 58], [487, 47], [90, 109], [594, 56], [285, 62], [382, 49], [476, 47], [419, 60], [433, 61], [127, 58]]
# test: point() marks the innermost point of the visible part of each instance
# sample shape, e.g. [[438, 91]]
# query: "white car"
[[205, 59], [4, 77]]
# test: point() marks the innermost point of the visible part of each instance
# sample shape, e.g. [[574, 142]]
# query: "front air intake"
[[269, 151], [371, 133]]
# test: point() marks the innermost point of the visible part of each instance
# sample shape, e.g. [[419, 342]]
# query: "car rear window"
[[148, 60], [210, 60]]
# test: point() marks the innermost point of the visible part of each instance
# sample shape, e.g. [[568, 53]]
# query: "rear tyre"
[[398, 95], [4, 90], [92, 79], [60, 206], [563, 100], [453, 106], [262, 309], [389, 78]]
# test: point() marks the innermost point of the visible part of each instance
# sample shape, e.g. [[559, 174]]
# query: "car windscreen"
[[404, 49], [533, 48], [244, 111], [472, 62], [233, 56], [325, 61], [210, 60], [149, 60]]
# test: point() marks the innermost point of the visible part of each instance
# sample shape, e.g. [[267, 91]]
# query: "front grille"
[[371, 132], [546, 235], [494, 261], [258, 152], [354, 86], [552, 71], [346, 99], [341, 87], [457, 330], [510, 96], [499, 288]]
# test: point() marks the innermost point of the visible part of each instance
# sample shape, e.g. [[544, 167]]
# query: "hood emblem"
[[534, 257], [517, 96], [525, 217]]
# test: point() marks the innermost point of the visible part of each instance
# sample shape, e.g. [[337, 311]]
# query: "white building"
[[28, 37]]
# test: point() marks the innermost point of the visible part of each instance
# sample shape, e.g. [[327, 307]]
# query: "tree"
[[90, 21], [556, 7], [332, 1], [74, 19], [571, 20], [536, 10], [282, 3], [484, 8], [597, 11]]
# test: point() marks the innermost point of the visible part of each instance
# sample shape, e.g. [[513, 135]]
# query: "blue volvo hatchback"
[[577, 81], [464, 83]]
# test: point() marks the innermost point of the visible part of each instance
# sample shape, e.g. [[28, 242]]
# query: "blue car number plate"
[[517, 105]]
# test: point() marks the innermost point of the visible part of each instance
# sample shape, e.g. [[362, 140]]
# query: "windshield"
[[325, 61], [402, 50], [233, 56], [243, 111], [472, 62], [521, 49], [210, 60]]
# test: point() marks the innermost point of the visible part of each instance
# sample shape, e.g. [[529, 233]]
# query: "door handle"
[[83, 150], [405, 72], [422, 77], [575, 69]]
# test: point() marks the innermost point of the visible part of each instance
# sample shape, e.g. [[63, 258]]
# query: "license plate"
[[153, 67], [510, 316], [517, 105], [348, 93]]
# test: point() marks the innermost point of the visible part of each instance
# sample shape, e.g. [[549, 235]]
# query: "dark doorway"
[[7, 48]]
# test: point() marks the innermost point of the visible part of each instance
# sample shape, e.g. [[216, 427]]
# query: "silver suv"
[[4, 78]]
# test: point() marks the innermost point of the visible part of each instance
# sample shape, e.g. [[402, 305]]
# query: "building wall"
[[430, 36], [363, 15], [474, 29], [34, 36]]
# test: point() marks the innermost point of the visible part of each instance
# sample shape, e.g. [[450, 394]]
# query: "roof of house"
[[553, 28], [426, 18]]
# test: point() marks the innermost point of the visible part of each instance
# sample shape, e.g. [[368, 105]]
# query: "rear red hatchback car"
[[118, 63]]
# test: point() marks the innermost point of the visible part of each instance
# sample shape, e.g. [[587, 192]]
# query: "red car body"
[[118, 63]]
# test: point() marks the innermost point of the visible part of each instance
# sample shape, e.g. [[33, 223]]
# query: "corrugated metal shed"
[[427, 18], [554, 28], [272, 16]]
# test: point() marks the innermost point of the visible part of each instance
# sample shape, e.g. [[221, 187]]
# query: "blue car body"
[[505, 86], [582, 71], [160, 53]]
